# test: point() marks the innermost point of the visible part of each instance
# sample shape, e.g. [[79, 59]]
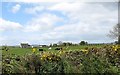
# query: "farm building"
[[25, 45]]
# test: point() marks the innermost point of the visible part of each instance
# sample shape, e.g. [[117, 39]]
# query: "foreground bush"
[[88, 60]]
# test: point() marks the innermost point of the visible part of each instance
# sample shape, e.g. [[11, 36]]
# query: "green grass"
[[23, 51], [17, 51]]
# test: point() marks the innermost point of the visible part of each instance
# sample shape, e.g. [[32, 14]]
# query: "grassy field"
[[23, 51]]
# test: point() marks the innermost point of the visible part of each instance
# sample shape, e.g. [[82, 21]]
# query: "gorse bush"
[[88, 60]]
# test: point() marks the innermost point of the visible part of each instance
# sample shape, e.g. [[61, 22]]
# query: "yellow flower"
[[85, 51], [116, 47], [41, 58], [60, 52], [63, 51], [33, 50], [113, 46], [49, 58], [44, 55]]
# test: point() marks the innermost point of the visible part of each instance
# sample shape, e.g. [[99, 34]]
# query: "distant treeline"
[[59, 44]]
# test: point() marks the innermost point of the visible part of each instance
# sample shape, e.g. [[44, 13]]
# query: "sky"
[[49, 22]]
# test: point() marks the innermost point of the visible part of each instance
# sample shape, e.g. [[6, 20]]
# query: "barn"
[[25, 45]]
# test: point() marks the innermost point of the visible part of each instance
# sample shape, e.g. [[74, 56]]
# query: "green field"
[[22, 51]]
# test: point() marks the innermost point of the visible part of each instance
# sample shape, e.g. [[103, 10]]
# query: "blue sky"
[[50, 22]]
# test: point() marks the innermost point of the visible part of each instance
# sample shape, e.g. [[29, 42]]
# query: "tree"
[[54, 45], [69, 44], [50, 45], [83, 43], [115, 33], [64, 44], [60, 43]]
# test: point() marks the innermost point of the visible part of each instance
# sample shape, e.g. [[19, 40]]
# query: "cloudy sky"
[[50, 22]]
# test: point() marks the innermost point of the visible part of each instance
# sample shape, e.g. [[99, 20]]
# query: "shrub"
[[88, 60]]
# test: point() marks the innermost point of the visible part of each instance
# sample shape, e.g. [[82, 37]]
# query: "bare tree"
[[118, 33], [115, 33]]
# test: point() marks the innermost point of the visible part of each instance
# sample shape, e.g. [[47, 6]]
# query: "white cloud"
[[87, 13], [16, 8], [6, 25], [84, 11], [79, 11], [43, 22], [34, 10], [68, 7]]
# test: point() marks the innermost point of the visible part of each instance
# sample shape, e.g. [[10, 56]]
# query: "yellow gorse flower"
[[116, 47], [60, 52], [44, 55], [85, 51], [41, 58], [50, 58], [33, 50]]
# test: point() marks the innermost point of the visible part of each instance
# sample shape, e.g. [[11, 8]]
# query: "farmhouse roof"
[[24, 43]]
